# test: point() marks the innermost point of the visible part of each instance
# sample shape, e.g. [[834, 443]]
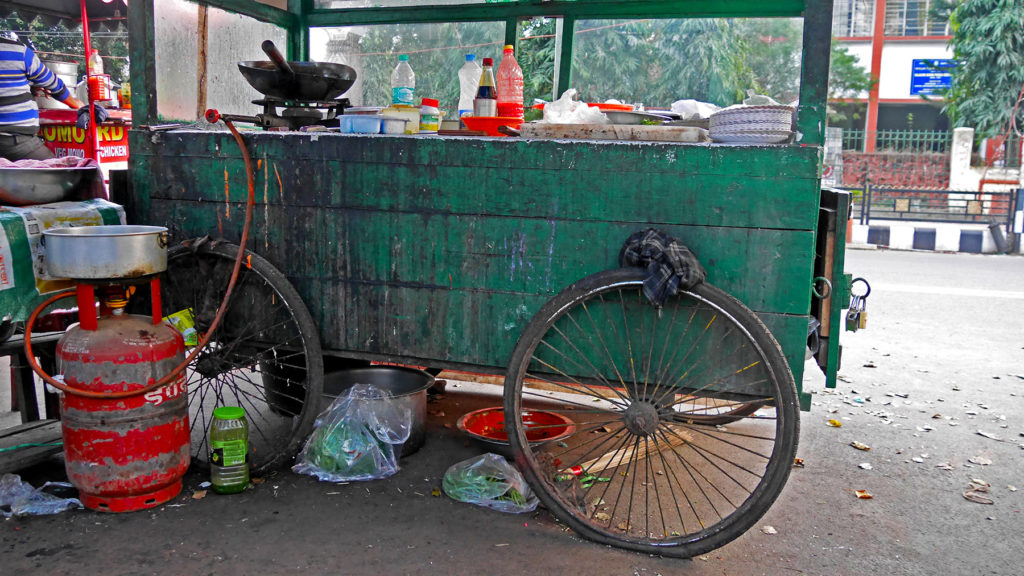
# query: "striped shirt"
[[20, 70]]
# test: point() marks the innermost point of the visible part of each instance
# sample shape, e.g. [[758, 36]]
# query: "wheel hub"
[[641, 418]]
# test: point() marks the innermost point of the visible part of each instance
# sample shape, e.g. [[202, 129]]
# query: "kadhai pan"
[[311, 80], [279, 78]]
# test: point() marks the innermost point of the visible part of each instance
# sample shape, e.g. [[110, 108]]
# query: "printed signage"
[[70, 140], [931, 76]]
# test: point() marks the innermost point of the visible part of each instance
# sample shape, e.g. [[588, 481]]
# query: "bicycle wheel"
[[643, 469], [265, 356]]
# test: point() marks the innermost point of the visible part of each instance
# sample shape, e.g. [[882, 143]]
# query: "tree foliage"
[[651, 61], [988, 40], [57, 42]]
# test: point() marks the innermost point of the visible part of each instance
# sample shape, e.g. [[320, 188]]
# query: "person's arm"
[[42, 77]]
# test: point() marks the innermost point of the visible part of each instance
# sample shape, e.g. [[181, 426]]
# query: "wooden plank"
[[203, 37], [46, 432]]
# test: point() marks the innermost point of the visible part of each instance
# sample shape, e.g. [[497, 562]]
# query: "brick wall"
[[896, 170]]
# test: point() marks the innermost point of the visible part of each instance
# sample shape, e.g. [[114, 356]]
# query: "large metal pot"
[[26, 186], [101, 252], [68, 73], [406, 386]]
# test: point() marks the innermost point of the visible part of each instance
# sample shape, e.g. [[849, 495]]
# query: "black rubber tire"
[[563, 488], [265, 356]]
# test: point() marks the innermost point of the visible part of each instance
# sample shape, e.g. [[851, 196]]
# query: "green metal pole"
[[563, 70], [142, 48], [298, 34]]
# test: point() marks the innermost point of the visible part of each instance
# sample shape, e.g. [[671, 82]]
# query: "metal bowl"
[[487, 426], [25, 186], [105, 252]]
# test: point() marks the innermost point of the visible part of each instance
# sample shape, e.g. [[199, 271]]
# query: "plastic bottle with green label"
[[229, 450]]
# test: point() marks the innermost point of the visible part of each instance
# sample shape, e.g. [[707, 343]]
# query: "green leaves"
[[988, 39]]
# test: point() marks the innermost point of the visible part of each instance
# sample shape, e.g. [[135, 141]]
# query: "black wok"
[[310, 80]]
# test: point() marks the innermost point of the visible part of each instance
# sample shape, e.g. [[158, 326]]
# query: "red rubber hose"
[[249, 203]]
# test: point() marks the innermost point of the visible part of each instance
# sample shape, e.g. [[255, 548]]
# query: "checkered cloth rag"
[[670, 264]]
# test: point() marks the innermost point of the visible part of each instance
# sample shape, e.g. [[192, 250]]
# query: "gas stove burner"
[[294, 114]]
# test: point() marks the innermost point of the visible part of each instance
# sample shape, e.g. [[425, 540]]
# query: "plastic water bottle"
[[469, 80], [403, 82], [229, 450], [510, 86]]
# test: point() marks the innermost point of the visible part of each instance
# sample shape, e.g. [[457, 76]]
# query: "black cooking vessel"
[[310, 81]]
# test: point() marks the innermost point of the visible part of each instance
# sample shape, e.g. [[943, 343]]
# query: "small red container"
[[99, 87], [490, 124]]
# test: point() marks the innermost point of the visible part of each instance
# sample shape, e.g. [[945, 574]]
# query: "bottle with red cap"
[[486, 102], [510, 86], [430, 116]]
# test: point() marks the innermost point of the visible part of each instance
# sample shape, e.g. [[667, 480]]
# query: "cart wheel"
[[643, 467], [265, 356]]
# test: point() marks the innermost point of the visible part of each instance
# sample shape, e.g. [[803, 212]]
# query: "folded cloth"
[[670, 264], [63, 162]]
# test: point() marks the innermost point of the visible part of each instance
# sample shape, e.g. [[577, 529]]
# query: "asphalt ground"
[[934, 386]]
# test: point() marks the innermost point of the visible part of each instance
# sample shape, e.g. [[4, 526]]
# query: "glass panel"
[[231, 38], [913, 18], [656, 62], [852, 18], [436, 52], [396, 3]]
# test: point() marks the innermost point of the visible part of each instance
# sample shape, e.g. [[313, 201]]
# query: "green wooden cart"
[[501, 255]]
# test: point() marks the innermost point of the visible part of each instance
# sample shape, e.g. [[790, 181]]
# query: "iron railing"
[[952, 206], [900, 140]]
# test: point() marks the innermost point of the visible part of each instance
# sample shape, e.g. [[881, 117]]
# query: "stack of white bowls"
[[752, 125]]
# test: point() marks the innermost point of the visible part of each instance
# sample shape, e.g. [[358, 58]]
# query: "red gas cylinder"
[[126, 453]]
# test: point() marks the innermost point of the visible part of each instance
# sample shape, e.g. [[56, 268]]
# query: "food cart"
[[502, 256]]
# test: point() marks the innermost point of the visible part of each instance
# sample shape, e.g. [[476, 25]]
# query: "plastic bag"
[[567, 110], [19, 498], [356, 437], [489, 480], [694, 109]]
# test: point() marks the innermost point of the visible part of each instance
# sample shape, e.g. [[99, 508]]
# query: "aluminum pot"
[[68, 73], [102, 252], [407, 387]]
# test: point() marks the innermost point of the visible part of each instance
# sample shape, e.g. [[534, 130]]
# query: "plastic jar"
[[229, 450], [430, 116]]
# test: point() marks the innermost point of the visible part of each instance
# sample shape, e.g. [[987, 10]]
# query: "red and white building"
[[907, 50]]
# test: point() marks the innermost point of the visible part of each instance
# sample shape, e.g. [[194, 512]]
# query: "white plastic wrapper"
[[694, 109], [567, 110]]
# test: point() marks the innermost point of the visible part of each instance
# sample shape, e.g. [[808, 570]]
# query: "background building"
[[905, 47]]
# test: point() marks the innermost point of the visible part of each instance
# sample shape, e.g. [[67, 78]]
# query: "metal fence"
[[951, 206], [899, 140]]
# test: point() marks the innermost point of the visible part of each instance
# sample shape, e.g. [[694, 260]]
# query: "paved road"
[[943, 359]]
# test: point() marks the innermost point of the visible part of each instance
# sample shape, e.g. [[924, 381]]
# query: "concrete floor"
[[941, 361]]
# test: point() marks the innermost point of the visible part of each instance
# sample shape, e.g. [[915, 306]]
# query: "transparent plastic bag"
[[356, 437], [567, 110], [19, 498], [489, 480]]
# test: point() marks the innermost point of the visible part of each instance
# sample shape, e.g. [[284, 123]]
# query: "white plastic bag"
[[489, 480], [356, 437], [694, 109], [567, 110]]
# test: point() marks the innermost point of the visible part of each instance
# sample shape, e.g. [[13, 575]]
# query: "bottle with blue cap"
[[469, 80]]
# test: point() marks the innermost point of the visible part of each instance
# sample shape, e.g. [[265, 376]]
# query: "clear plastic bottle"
[[95, 64], [486, 103], [510, 86], [469, 80], [229, 450], [403, 83]]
